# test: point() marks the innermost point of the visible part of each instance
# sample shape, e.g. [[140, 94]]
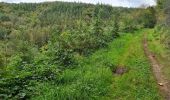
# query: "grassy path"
[[155, 52], [156, 67], [138, 82], [94, 77]]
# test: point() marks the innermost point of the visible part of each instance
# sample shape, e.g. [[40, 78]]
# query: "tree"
[[3, 17], [149, 18], [97, 30], [115, 29]]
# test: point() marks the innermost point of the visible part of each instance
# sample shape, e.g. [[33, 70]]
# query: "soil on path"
[[163, 83]]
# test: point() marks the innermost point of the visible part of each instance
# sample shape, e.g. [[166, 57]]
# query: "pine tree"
[[97, 22], [115, 30], [98, 31]]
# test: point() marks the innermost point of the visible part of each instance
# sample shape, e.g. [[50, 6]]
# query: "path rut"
[[163, 83]]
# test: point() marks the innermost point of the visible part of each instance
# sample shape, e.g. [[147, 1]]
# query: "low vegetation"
[[76, 51]]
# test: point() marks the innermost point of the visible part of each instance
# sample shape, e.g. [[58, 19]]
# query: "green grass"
[[93, 79], [161, 52]]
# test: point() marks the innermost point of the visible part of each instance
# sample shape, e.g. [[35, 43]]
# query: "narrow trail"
[[164, 85]]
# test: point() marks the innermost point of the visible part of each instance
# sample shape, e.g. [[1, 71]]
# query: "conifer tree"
[[115, 30], [97, 30]]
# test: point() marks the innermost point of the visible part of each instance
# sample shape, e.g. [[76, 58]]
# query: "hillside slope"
[[74, 51]]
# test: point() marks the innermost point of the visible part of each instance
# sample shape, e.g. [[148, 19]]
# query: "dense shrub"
[[4, 17]]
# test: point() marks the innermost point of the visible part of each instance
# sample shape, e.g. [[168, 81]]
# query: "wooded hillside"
[[48, 42]]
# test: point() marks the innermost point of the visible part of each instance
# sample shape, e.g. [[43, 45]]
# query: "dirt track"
[[164, 85]]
